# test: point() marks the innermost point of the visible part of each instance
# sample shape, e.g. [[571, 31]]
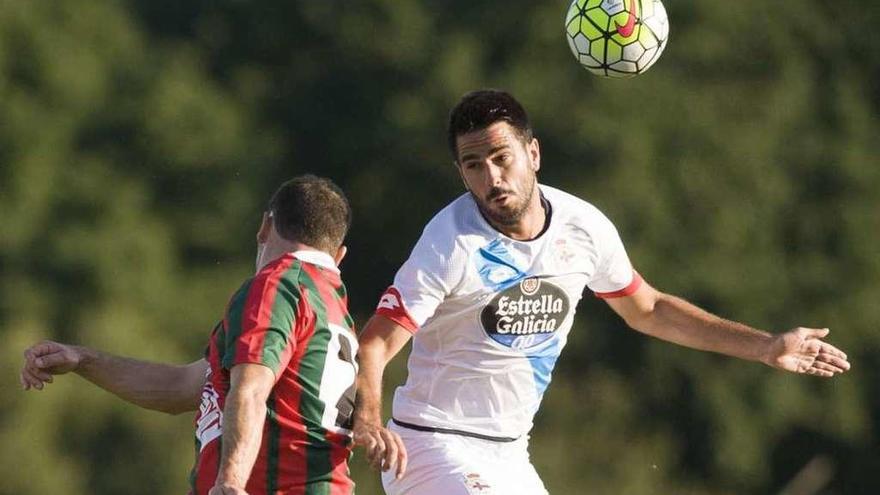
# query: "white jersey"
[[490, 314]]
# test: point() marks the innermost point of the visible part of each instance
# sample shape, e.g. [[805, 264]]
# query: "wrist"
[[84, 358], [367, 410], [367, 420], [769, 353]]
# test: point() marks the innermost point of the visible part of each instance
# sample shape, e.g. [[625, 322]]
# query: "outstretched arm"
[[380, 341], [161, 387], [660, 315]]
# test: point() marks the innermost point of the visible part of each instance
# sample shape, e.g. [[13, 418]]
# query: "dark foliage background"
[[140, 139]]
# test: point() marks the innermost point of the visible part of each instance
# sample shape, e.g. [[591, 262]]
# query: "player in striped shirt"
[[275, 391]]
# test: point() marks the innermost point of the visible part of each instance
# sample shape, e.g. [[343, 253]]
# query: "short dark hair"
[[480, 109], [311, 210]]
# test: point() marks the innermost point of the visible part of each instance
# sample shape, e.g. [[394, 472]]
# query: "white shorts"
[[446, 464]]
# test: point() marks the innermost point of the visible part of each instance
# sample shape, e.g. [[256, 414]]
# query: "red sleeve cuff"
[[391, 306], [626, 291]]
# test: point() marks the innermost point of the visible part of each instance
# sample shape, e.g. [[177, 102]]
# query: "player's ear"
[[265, 228], [340, 253], [461, 174], [534, 150]]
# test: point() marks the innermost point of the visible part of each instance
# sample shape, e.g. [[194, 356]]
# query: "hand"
[[384, 448], [802, 350], [225, 489], [45, 359]]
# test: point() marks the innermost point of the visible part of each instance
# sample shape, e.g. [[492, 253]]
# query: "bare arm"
[[673, 319], [243, 417], [381, 340], [162, 387]]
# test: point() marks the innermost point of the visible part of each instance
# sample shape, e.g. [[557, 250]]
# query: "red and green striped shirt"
[[291, 317]]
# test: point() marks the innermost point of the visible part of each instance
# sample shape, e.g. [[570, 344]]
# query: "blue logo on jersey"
[[526, 314], [496, 266]]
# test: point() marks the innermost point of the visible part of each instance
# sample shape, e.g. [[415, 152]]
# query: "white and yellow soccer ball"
[[616, 38]]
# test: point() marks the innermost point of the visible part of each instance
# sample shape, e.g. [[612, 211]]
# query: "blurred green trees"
[[139, 141]]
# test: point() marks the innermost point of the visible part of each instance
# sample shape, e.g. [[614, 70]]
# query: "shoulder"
[[282, 276], [286, 267], [441, 252], [443, 233], [570, 208], [451, 219]]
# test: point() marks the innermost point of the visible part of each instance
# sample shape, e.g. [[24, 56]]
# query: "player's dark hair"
[[480, 109], [311, 210]]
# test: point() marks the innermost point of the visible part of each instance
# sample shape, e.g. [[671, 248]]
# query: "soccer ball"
[[616, 38]]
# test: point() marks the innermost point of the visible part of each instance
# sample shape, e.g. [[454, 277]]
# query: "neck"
[[275, 250]]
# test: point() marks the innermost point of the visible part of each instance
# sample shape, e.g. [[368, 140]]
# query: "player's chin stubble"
[[503, 216]]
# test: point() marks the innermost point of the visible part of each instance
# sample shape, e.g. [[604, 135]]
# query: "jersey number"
[[338, 379]]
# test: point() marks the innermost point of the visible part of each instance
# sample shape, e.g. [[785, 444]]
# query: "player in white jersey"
[[488, 296], [482, 358]]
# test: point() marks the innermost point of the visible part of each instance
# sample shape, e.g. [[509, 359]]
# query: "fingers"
[[47, 361], [41, 349], [29, 379], [826, 368], [395, 453], [829, 349], [833, 357], [40, 361], [42, 375], [838, 364], [38, 375], [815, 333], [34, 352], [829, 360], [374, 447], [402, 458], [818, 372], [31, 376], [25, 381], [52, 358], [389, 459], [375, 454], [384, 449]]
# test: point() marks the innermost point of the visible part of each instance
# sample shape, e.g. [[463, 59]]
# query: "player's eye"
[[503, 158]]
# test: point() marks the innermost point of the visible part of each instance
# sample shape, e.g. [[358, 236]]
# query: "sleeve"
[[217, 328], [422, 283], [614, 276], [261, 320]]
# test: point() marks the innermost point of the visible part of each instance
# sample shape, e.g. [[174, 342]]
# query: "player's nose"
[[492, 174]]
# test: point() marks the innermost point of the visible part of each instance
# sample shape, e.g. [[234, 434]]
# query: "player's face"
[[500, 171], [263, 238]]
